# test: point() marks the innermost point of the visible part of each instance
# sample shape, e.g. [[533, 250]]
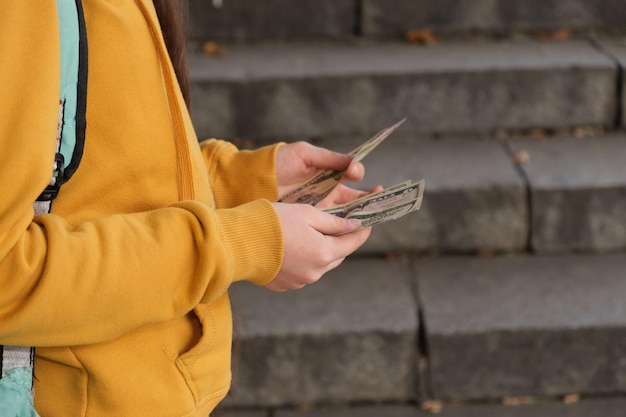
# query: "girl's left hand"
[[297, 162]]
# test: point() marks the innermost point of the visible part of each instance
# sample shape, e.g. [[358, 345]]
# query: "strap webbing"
[[16, 357]]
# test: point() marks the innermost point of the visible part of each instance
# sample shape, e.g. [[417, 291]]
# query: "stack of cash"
[[372, 209]]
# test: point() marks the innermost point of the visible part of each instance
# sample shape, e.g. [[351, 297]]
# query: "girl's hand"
[[297, 162], [315, 242]]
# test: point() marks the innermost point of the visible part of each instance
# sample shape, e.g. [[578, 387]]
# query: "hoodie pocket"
[[206, 365]]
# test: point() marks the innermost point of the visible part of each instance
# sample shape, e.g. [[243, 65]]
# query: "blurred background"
[[505, 295]]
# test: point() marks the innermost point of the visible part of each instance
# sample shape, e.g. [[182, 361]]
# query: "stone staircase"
[[508, 287]]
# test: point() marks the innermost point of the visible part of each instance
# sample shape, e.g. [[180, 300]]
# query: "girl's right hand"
[[315, 242]]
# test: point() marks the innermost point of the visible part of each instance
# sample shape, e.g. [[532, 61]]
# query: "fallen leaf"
[[211, 48], [556, 35], [583, 132], [421, 36], [537, 134], [394, 256], [434, 407], [521, 157], [571, 399], [485, 253]]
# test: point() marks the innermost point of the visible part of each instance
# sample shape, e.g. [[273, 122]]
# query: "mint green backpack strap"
[[17, 362], [73, 96]]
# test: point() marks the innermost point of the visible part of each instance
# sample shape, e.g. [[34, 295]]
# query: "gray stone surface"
[[578, 193], [394, 17], [290, 92], [616, 48], [473, 198], [524, 326], [611, 407], [215, 110], [350, 337], [245, 20]]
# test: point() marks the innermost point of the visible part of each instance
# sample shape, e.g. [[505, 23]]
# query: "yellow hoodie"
[[123, 286]]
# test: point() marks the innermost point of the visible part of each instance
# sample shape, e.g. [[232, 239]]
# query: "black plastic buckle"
[[51, 191]]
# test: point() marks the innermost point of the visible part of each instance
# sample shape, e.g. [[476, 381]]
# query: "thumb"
[[326, 159], [329, 224]]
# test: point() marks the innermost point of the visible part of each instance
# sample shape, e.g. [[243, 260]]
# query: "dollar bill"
[[321, 184], [387, 198], [389, 204], [373, 218], [364, 149]]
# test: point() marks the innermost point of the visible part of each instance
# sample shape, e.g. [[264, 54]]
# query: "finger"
[[355, 172], [327, 224], [346, 244], [341, 247], [322, 158], [346, 194], [341, 194]]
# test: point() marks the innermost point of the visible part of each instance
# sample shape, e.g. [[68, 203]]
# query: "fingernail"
[[354, 223]]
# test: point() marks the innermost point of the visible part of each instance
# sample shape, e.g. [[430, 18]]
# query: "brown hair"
[[173, 19]]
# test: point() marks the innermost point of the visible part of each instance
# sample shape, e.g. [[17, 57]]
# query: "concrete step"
[[474, 198], [451, 329], [351, 337], [577, 193], [247, 21], [393, 18], [568, 195], [538, 326], [604, 407], [305, 91]]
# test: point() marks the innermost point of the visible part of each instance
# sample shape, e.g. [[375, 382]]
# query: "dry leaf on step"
[[557, 35], [434, 407], [421, 36], [521, 157], [212, 49]]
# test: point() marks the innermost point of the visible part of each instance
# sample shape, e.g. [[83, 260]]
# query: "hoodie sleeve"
[[240, 176]]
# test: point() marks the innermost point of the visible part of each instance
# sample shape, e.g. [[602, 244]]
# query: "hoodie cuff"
[[254, 236]]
